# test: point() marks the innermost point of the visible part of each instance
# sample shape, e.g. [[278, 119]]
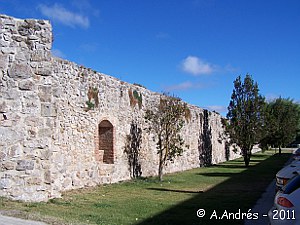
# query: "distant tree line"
[[250, 120], [253, 120]]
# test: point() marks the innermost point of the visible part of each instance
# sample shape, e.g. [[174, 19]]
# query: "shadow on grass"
[[239, 192], [172, 190], [218, 174], [257, 160], [232, 166]]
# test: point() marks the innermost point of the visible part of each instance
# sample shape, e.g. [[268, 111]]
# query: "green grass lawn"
[[227, 186]]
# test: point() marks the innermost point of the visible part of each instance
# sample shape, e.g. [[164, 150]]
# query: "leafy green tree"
[[245, 115], [167, 121], [282, 122]]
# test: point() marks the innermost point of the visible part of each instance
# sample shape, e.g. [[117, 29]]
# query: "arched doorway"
[[106, 141]]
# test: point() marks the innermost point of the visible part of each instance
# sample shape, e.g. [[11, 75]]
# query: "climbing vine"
[[93, 99], [135, 98]]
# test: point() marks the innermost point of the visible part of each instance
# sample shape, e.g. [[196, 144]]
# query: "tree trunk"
[[279, 150], [160, 166], [160, 171], [246, 155], [247, 160]]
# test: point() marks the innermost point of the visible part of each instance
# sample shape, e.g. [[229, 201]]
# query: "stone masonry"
[[64, 126]]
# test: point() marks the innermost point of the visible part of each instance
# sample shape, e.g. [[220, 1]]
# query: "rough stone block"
[[28, 28], [23, 165], [26, 85], [42, 143], [57, 92], [67, 183], [46, 154], [45, 165], [3, 107], [22, 56], [10, 136], [32, 133], [8, 50], [45, 93], [2, 155], [5, 183], [20, 71], [3, 44], [48, 110], [47, 177], [32, 37], [32, 121], [3, 61], [18, 38], [77, 182], [6, 123], [30, 194], [11, 94], [30, 104], [8, 165], [9, 22], [44, 71], [34, 181], [15, 151], [40, 56], [42, 188]]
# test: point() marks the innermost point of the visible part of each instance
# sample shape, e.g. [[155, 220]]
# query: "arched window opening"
[[106, 141]]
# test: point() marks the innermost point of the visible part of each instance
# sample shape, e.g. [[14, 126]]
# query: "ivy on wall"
[[93, 99], [135, 98]]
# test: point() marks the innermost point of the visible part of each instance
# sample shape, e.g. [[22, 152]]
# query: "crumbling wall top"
[[29, 34]]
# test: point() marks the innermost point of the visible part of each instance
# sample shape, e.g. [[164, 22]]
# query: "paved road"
[[6, 220], [263, 205]]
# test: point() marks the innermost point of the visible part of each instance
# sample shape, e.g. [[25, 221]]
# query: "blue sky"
[[191, 48]]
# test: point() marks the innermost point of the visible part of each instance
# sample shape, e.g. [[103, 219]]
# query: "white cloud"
[[217, 108], [85, 6], [229, 68], [184, 86], [196, 66], [58, 53], [60, 14]]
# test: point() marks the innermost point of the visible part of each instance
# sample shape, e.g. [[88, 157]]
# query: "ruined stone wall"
[[63, 126]]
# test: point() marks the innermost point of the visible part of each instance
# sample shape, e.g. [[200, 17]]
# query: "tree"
[[282, 122], [167, 121], [245, 116]]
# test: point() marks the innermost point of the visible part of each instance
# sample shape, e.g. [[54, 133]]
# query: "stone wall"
[[64, 126]]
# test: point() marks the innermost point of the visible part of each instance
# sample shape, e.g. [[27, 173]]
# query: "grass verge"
[[227, 186]]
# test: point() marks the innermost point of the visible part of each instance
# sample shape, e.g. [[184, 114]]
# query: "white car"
[[286, 209], [296, 154], [287, 173]]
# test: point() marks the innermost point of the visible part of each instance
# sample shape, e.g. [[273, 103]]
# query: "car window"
[[292, 185]]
